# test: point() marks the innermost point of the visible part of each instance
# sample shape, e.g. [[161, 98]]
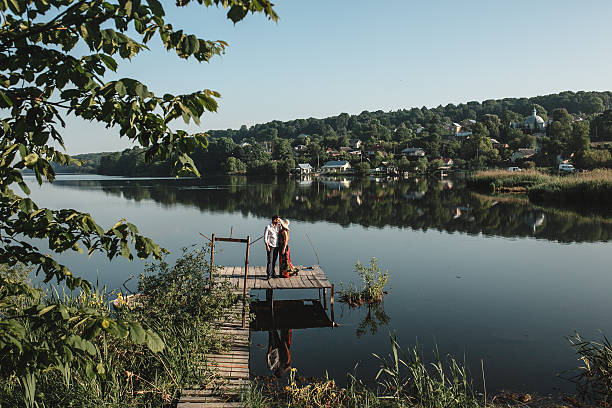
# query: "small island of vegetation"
[[589, 189]]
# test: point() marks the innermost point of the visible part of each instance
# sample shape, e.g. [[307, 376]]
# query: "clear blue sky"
[[327, 57]]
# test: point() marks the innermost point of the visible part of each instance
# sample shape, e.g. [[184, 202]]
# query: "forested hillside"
[[573, 118]]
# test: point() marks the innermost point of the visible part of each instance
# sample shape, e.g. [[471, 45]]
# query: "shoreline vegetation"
[[176, 308], [588, 189]]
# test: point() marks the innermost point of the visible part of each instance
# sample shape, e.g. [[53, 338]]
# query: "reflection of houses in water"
[[534, 219], [304, 181], [336, 184], [446, 184], [463, 213]]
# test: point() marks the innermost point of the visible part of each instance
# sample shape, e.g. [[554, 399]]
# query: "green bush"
[[174, 307], [374, 282]]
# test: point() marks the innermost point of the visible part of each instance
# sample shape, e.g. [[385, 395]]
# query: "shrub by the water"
[[175, 308], [374, 282]]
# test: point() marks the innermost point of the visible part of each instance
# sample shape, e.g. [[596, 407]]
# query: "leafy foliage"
[[169, 325], [43, 80]]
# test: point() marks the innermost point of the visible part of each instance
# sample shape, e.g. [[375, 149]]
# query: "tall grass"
[[589, 189], [404, 379], [594, 378], [496, 180]]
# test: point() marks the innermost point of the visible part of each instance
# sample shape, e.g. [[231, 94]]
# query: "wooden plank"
[[231, 240]]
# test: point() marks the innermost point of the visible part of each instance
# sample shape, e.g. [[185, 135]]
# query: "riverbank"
[[590, 189]]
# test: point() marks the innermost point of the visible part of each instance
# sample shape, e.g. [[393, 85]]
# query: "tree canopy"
[[44, 80]]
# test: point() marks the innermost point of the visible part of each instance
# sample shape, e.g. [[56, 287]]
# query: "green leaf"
[[108, 61], [156, 8], [120, 88], [46, 310], [137, 333], [154, 342], [89, 370], [30, 159]]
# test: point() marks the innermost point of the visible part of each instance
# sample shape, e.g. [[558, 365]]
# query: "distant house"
[[419, 129], [304, 168], [463, 133], [332, 153], [446, 164], [355, 143], [245, 144], [498, 145], [522, 154], [336, 166], [454, 128], [413, 152], [372, 150]]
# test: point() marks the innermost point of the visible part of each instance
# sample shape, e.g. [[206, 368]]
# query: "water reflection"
[[278, 355], [375, 319], [419, 204], [279, 318]]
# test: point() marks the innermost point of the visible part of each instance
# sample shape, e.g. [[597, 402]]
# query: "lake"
[[478, 277]]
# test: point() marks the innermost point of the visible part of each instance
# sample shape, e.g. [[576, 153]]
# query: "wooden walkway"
[[308, 277], [230, 369]]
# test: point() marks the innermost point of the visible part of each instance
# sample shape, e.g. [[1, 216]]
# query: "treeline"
[[379, 125], [576, 119], [419, 204]]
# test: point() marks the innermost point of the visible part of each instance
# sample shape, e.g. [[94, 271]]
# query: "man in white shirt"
[[271, 240]]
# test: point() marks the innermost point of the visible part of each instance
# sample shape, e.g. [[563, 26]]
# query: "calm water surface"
[[482, 278]]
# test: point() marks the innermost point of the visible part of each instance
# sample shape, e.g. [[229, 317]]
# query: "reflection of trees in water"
[[375, 318], [419, 204]]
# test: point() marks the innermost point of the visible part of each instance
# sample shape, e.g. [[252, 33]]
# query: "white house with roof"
[[413, 152], [336, 166], [355, 143], [304, 168]]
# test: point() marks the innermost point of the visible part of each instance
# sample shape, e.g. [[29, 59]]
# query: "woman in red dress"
[[286, 267]]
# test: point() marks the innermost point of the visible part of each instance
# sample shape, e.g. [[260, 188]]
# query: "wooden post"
[[246, 274], [325, 298], [331, 304], [212, 259]]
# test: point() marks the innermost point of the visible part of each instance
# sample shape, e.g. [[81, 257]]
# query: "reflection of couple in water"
[[279, 351], [276, 238]]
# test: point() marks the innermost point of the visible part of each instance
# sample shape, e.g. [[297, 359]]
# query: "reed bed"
[[594, 378], [589, 189]]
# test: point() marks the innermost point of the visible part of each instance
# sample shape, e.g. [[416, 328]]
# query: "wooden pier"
[[230, 369]]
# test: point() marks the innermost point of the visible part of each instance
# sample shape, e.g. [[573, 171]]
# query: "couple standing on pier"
[[276, 238]]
